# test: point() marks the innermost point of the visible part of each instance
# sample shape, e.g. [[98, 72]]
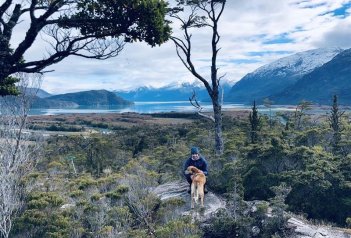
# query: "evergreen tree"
[[255, 123], [287, 124], [335, 124]]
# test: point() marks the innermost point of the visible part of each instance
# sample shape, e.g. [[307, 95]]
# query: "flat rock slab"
[[305, 230], [178, 189]]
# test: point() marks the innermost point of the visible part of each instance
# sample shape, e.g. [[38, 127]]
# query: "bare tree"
[[268, 104], [300, 112], [202, 13], [90, 29], [19, 151]]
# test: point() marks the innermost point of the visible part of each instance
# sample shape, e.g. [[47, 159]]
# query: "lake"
[[152, 107]]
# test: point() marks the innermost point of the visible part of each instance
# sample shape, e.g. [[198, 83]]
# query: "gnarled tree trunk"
[[211, 11]]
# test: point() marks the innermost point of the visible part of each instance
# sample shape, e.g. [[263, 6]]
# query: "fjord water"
[[149, 107], [138, 107]]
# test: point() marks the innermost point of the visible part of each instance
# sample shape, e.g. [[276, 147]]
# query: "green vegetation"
[[99, 185]]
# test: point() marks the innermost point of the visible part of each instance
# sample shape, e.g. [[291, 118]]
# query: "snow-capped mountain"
[[171, 92], [300, 63], [275, 77], [319, 86]]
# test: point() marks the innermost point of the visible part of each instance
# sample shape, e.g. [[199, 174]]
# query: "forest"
[[101, 184]]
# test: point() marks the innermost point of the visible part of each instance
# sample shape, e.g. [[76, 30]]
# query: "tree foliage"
[[335, 123], [88, 28], [131, 19]]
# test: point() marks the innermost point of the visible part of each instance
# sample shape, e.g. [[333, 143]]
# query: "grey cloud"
[[339, 36]]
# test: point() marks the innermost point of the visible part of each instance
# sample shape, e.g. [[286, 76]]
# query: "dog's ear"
[[188, 170]]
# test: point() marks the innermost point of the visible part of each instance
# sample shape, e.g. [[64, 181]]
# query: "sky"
[[253, 33]]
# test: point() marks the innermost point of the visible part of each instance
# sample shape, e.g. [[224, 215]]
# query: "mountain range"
[[319, 86], [277, 79], [172, 92]]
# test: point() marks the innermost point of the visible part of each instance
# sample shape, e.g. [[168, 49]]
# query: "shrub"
[[76, 193], [43, 218], [181, 228], [96, 197], [348, 222]]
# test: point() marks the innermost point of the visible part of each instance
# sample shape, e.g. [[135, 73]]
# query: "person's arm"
[[185, 166], [205, 167]]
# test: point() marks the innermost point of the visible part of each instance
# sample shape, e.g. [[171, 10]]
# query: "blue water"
[[148, 107]]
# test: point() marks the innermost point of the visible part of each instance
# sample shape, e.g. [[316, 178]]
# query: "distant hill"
[[43, 94], [92, 98], [322, 83], [37, 102], [274, 78], [172, 92], [38, 92], [51, 103]]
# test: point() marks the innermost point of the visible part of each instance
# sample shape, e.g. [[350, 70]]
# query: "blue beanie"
[[195, 150]]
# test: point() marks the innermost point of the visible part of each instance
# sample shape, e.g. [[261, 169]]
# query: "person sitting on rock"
[[197, 161]]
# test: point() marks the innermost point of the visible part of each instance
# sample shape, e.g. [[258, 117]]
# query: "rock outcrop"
[[213, 202], [179, 190], [305, 230]]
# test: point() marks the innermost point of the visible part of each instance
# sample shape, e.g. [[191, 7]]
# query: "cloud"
[[253, 33], [279, 39], [339, 35]]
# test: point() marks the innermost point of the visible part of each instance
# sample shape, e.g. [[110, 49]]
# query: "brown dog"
[[197, 185]]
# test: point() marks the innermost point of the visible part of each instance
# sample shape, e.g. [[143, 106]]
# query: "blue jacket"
[[201, 164]]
